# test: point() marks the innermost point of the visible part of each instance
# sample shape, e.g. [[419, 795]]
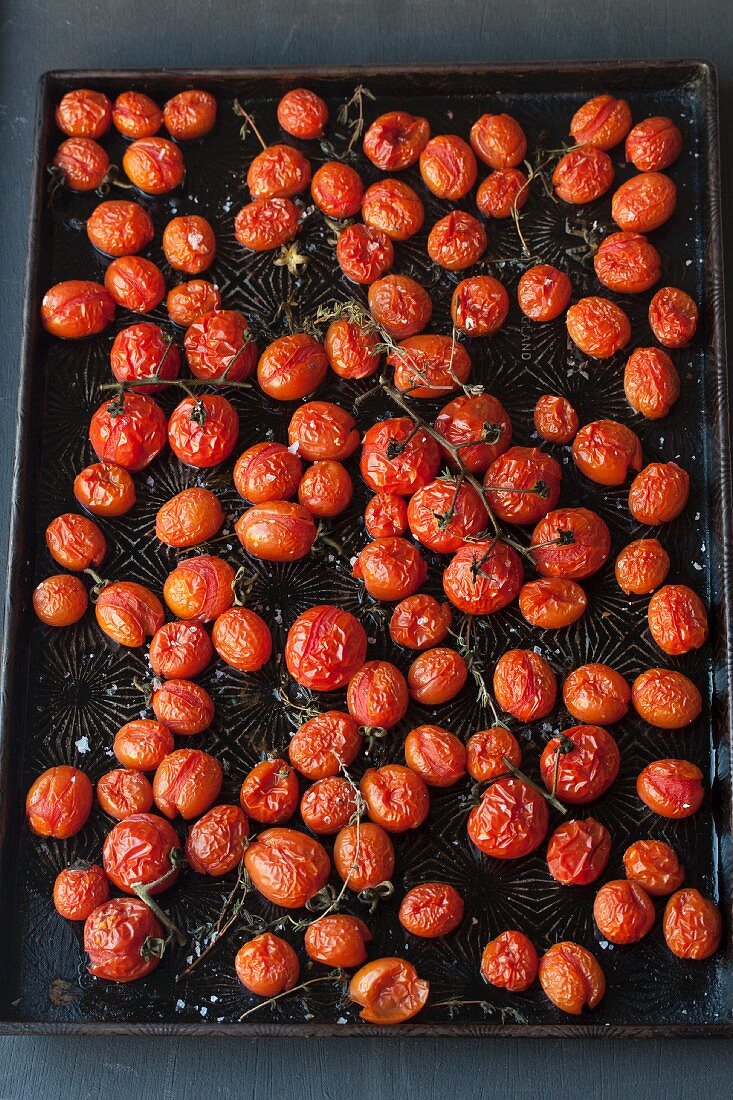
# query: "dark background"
[[36, 35]]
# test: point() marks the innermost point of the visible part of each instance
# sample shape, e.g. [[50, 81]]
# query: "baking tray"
[[65, 693]]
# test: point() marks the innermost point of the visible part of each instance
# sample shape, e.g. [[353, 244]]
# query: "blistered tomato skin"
[[479, 305], [486, 751], [128, 613], [385, 516], [583, 175], [393, 207], [578, 851], [78, 891], [389, 990], [270, 792], [75, 542], [445, 513], [328, 805], [122, 793], [200, 587], [84, 113], [641, 567], [180, 650], [673, 317], [278, 172], [436, 755], [189, 244], [337, 190], [267, 471], [135, 283], [118, 227], [277, 530], [584, 771], [692, 925], [644, 202], [352, 350], [543, 293], [366, 865], [302, 114], [598, 327], [395, 459], [189, 518], [320, 431], [242, 639], [142, 849], [187, 782], [457, 241], [154, 165], [627, 263], [203, 431], [136, 115], [400, 305], [337, 939], [597, 694], [377, 695], [142, 351], [420, 621], [523, 485], [364, 254], [655, 866], [571, 978], [60, 600], [524, 685], [189, 301], [117, 935], [292, 367], [183, 706], [323, 744], [482, 577], [510, 962], [499, 141], [478, 427], [602, 122], [659, 493], [510, 821], [436, 676], [678, 621], [59, 802], [77, 308], [570, 542], [395, 140], [503, 193], [396, 798], [651, 382], [671, 788], [431, 910], [666, 699], [605, 451], [623, 911], [190, 114], [267, 965], [83, 164], [552, 602], [654, 144], [555, 419], [265, 224], [325, 647], [287, 867], [142, 744]]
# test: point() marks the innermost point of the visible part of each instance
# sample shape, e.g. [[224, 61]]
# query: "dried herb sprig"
[[212, 934], [142, 890], [335, 976], [351, 115]]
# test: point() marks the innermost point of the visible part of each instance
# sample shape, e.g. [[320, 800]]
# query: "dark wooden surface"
[[36, 35]]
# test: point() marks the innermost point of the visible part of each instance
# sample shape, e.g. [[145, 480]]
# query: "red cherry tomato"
[[503, 193], [445, 514], [78, 891], [400, 305], [122, 793], [328, 806], [154, 165], [142, 849], [337, 940], [655, 866], [385, 516], [436, 676], [278, 530], [552, 602], [367, 864], [584, 770], [692, 925], [200, 588], [75, 542], [671, 788], [396, 797], [483, 577], [337, 190], [142, 744], [278, 172], [678, 621], [129, 431], [479, 305], [324, 648], [351, 349], [659, 493], [364, 254], [478, 427], [578, 851], [76, 308], [267, 965], [190, 114], [186, 782], [395, 140], [390, 568], [320, 430], [396, 459], [389, 990], [393, 207], [499, 141], [602, 122], [673, 317], [666, 699], [60, 600], [292, 367], [583, 175], [457, 241], [203, 431], [322, 745], [570, 542], [270, 792], [189, 244], [84, 113], [120, 938], [486, 750], [189, 301], [242, 639], [267, 471], [59, 802], [287, 867], [189, 518], [431, 909], [420, 621], [326, 489], [436, 755], [651, 382], [510, 962], [142, 351], [510, 821], [220, 345], [377, 695], [524, 685], [654, 144], [596, 694], [644, 202], [105, 490], [641, 567], [543, 293], [82, 162], [627, 263], [135, 283], [448, 167], [598, 327], [136, 115], [180, 650], [523, 485], [128, 613], [184, 707], [623, 911], [265, 224], [571, 978]]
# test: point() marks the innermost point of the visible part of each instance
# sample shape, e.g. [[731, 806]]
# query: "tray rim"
[[18, 536]]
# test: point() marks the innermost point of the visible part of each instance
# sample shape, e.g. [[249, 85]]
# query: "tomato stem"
[[142, 891], [547, 795]]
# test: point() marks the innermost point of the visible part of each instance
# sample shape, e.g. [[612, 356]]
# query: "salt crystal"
[[82, 745]]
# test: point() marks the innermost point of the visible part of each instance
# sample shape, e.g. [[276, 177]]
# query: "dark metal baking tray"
[[65, 693]]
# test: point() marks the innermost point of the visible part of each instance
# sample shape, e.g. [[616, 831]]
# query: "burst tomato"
[[510, 821], [397, 459], [445, 514], [320, 430], [75, 542], [363, 856], [571, 978], [242, 639], [105, 490], [135, 283], [59, 802], [692, 925], [523, 485], [651, 382], [479, 306], [287, 867], [122, 793], [189, 518], [328, 805], [325, 647], [154, 165], [543, 293], [598, 327], [203, 431], [483, 577], [552, 602], [641, 567], [396, 797], [200, 588], [395, 140], [524, 685], [436, 755], [655, 866], [671, 788], [136, 115], [503, 193], [128, 612], [400, 305], [180, 650], [584, 771], [627, 263], [129, 431], [644, 202], [189, 301], [84, 113], [429, 366], [431, 909], [220, 345], [390, 568], [142, 849], [654, 144], [351, 349], [385, 516], [499, 141], [393, 207], [123, 939], [457, 241], [364, 254], [77, 891], [678, 621], [265, 224], [142, 351], [510, 962], [666, 699], [659, 493], [291, 367], [184, 707], [673, 317], [270, 792], [596, 694], [189, 244], [267, 471], [82, 162], [278, 172], [570, 542], [337, 940], [485, 752], [142, 744], [377, 695], [322, 745], [420, 621], [583, 175], [448, 167], [389, 990], [190, 114], [337, 190], [76, 308], [578, 851], [602, 122], [278, 530], [267, 965], [186, 782]]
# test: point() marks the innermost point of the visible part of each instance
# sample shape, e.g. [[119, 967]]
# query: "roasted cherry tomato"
[[82, 162], [200, 588], [523, 485], [189, 301], [105, 490], [351, 349], [302, 114], [203, 431], [123, 939], [389, 990], [186, 708], [377, 695], [571, 978], [393, 207], [478, 427], [400, 305], [189, 518], [581, 764], [627, 263], [220, 345], [142, 849], [673, 317], [129, 431], [180, 650], [189, 244], [479, 306], [186, 782], [596, 694], [128, 612], [267, 471], [390, 568], [337, 940], [431, 909], [598, 327], [666, 699], [287, 867], [216, 842], [397, 459], [420, 621], [325, 647], [122, 793], [503, 193], [602, 122], [190, 114], [75, 542], [264, 224], [552, 602], [154, 165], [499, 141], [429, 366], [570, 542], [578, 851], [77, 891], [644, 202], [278, 172], [337, 190], [291, 367], [364, 858], [485, 752], [278, 530], [651, 382], [135, 283], [396, 797], [59, 802], [510, 962], [483, 577], [364, 254], [445, 514], [692, 925], [385, 516], [543, 293], [60, 600], [678, 621], [142, 351], [641, 567], [136, 115], [84, 113], [659, 493], [142, 744], [583, 175], [623, 911], [524, 685], [77, 308], [267, 965], [436, 676], [242, 639], [320, 430], [457, 241], [326, 489], [654, 144], [654, 866], [671, 788], [322, 745], [328, 805], [448, 167], [436, 755], [395, 140], [510, 820], [270, 792]]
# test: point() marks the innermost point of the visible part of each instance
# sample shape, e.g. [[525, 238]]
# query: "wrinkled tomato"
[[510, 821], [287, 867], [186, 782], [189, 518], [377, 695], [578, 851], [510, 962], [436, 755], [671, 788], [325, 647], [242, 639], [431, 909], [457, 241], [641, 567], [59, 802], [203, 431], [552, 602], [678, 621], [483, 577], [420, 621], [270, 792], [396, 797], [666, 699]]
